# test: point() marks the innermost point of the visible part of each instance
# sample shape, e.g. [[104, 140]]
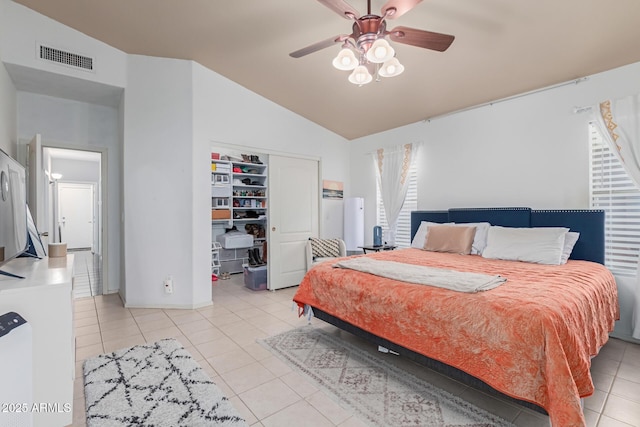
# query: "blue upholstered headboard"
[[589, 223]]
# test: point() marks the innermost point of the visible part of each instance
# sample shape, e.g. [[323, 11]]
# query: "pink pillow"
[[450, 238]]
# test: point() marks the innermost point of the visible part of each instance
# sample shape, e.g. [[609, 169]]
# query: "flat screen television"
[[13, 208]]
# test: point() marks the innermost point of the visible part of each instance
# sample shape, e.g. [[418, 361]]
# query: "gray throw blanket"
[[449, 279]]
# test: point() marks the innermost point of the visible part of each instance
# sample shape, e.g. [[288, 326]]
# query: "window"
[[613, 191], [403, 234]]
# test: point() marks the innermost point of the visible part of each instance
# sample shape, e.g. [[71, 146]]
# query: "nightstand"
[[377, 248]]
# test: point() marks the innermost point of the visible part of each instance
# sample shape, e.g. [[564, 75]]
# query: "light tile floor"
[[87, 280], [268, 393]]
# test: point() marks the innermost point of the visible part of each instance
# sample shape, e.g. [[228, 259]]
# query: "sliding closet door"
[[293, 217]]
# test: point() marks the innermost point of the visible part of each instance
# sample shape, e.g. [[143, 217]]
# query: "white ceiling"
[[80, 155], [502, 48]]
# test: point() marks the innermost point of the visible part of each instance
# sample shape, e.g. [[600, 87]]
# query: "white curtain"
[[619, 123], [392, 173]]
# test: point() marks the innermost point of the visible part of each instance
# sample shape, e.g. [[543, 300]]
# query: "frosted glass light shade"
[[345, 60], [360, 76], [391, 68], [380, 51]]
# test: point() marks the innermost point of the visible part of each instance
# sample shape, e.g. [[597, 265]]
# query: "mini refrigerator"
[[16, 371]]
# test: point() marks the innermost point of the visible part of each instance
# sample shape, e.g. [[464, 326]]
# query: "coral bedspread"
[[531, 338]]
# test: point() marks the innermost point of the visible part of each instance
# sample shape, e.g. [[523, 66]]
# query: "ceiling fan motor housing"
[[367, 29]]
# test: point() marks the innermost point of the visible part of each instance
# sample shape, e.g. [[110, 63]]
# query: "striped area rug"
[[380, 393]]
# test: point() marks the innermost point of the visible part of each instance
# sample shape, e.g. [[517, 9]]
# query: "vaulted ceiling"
[[501, 48]]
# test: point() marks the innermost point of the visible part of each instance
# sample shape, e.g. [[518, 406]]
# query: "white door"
[[75, 214], [293, 217], [35, 182]]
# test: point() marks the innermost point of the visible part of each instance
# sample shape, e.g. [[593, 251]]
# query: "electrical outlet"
[[168, 285]]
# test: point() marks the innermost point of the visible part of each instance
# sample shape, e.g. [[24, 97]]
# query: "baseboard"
[[170, 306], [624, 337]]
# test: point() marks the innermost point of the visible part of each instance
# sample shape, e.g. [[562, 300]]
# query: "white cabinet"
[[44, 298]]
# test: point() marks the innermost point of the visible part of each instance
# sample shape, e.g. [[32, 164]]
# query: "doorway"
[[73, 210], [76, 215]]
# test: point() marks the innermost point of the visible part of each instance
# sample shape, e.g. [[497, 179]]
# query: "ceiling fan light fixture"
[[360, 76], [380, 51], [391, 68], [346, 60]]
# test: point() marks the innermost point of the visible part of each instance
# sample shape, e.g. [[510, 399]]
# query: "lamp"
[[56, 176], [346, 60], [370, 52], [360, 76], [380, 51], [391, 68]]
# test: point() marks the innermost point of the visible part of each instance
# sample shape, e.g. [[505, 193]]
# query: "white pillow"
[[570, 240], [541, 245], [421, 234], [480, 239]]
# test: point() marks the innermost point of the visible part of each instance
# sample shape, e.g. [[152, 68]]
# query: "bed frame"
[[589, 247]]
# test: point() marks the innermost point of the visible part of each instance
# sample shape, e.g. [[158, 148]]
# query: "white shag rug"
[[158, 385]]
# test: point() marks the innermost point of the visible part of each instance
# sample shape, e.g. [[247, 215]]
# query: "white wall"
[[76, 170], [7, 113], [7, 100], [175, 112], [529, 151], [159, 117], [60, 120], [23, 28], [231, 114], [74, 124], [158, 174]]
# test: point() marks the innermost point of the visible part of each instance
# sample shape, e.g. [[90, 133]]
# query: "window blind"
[[613, 191], [403, 233]]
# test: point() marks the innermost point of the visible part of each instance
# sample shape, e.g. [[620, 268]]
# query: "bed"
[[530, 339]]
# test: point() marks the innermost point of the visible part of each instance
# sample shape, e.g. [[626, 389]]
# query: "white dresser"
[[44, 298]]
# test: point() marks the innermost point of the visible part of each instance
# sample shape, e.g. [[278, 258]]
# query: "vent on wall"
[[65, 58]]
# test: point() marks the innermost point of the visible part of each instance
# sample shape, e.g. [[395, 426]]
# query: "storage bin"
[[220, 191], [220, 214], [255, 278], [235, 239]]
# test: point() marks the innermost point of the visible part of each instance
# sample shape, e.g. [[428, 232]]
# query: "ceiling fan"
[[368, 40]]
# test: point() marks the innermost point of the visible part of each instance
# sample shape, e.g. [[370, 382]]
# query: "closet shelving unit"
[[238, 197], [221, 191], [215, 258]]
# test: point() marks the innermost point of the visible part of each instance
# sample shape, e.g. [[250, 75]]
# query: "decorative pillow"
[[480, 239], [570, 240], [450, 238], [324, 248], [541, 245], [421, 234]]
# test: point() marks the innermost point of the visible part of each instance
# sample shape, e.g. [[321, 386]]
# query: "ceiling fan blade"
[[401, 7], [319, 46], [421, 38], [342, 8]]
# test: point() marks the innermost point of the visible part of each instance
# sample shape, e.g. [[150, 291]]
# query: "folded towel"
[[449, 279]]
